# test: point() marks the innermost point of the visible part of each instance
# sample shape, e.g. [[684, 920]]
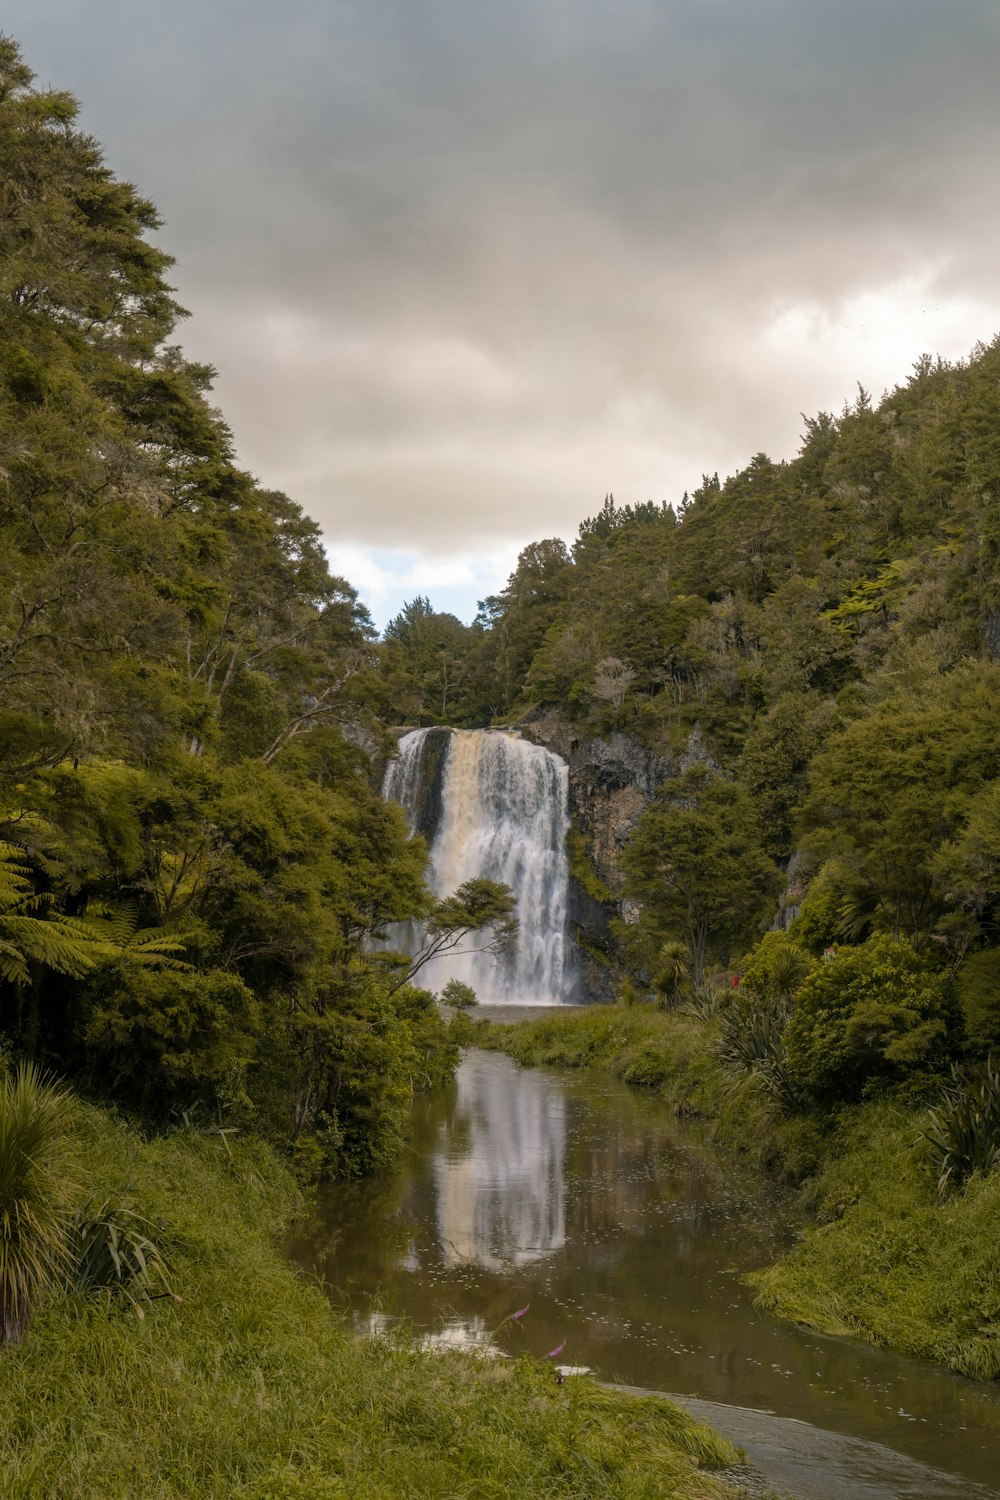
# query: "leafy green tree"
[[435, 650], [774, 763], [967, 867], [877, 1012], [518, 618], [478, 906], [977, 983], [696, 863], [460, 996], [891, 788]]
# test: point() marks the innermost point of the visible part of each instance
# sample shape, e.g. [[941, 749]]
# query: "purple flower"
[[514, 1316], [557, 1350]]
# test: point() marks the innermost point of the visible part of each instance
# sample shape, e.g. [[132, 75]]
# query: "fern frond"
[[113, 921], [58, 943], [15, 878], [12, 965]]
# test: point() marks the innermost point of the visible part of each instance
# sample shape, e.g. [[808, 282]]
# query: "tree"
[[671, 972], [478, 906], [435, 651], [774, 763], [32, 933], [894, 786], [967, 867], [518, 618], [458, 995], [875, 1012], [696, 863], [612, 681]]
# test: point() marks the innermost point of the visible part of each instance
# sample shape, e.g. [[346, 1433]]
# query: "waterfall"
[[493, 806]]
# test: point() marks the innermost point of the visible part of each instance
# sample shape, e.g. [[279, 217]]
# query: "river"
[[626, 1234]]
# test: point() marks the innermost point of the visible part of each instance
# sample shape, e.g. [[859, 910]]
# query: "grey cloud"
[[464, 266]]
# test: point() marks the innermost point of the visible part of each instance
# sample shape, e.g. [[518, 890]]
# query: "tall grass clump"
[[35, 1115], [112, 1256], [752, 1026], [752, 1040], [962, 1133]]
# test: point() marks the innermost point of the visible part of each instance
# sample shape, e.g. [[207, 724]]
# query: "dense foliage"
[[193, 861]]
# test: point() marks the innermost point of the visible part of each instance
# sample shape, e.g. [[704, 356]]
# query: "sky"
[[466, 266]]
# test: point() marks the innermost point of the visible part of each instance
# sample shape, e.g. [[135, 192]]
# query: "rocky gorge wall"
[[612, 780]]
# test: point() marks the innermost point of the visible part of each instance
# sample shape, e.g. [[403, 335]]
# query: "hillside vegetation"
[[193, 860], [810, 652]]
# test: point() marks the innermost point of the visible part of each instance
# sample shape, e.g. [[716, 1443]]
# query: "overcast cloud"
[[465, 266]]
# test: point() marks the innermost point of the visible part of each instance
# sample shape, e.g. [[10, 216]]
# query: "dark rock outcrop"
[[612, 780]]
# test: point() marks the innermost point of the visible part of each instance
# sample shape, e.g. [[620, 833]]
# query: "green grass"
[[892, 1265], [251, 1387], [640, 1044]]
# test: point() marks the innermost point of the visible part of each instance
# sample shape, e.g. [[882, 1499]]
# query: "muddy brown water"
[[627, 1235]]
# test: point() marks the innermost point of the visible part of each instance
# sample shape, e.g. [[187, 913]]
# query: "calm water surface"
[[627, 1236]]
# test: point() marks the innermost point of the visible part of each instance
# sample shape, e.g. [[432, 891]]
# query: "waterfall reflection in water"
[[499, 1183], [628, 1233]]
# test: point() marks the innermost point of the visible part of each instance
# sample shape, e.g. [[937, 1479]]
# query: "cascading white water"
[[494, 807]]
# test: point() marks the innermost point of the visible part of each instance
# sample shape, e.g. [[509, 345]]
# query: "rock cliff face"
[[612, 779]]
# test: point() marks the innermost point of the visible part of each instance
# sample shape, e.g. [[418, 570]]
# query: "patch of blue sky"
[[386, 579]]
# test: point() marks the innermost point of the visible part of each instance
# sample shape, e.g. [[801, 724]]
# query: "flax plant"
[[34, 1254]]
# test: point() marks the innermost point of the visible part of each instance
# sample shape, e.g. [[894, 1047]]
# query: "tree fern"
[[54, 940], [115, 925], [69, 945]]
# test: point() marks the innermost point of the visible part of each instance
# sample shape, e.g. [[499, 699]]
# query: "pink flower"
[[557, 1350], [514, 1316]]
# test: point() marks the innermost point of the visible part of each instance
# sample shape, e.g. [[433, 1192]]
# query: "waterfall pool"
[[626, 1235]]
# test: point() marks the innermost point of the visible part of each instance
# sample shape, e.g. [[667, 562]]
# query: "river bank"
[[250, 1386], [886, 1262]]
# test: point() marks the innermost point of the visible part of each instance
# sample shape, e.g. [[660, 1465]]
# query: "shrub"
[[458, 995], [872, 1012], [978, 985], [168, 1039], [777, 966]]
